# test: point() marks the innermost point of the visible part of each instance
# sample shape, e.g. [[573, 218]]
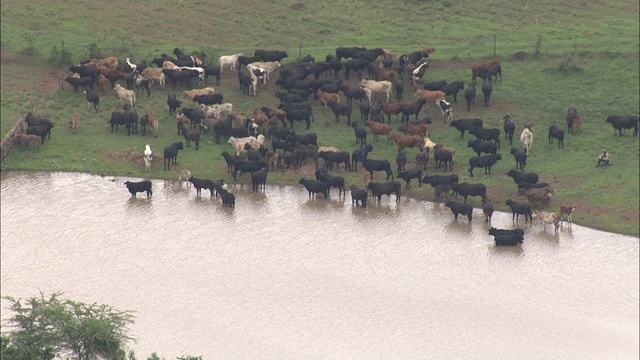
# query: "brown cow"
[[393, 109], [74, 122], [415, 129], [430, 96], [111, 62], [103, 84], [28, 140], [378, 128], [112, 75], [404, 141], [478, 69]]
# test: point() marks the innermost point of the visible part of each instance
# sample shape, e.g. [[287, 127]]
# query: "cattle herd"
[[302, 83]]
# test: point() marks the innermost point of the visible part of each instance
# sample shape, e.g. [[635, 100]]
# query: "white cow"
[[229, 60], [527, 139], [147, 156]]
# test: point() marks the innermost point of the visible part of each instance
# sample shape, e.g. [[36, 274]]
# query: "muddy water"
[[281, 276]]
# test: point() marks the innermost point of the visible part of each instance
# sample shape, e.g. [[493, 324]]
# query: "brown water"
[[283, 277]]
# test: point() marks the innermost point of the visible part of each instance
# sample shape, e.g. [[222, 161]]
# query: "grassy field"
[[581, 55]]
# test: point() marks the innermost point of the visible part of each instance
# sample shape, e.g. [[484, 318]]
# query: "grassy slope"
[[603, 81]]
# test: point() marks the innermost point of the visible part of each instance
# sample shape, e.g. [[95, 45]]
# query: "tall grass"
[[588, 59]]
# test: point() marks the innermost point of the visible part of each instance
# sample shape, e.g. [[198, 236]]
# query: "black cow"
[[466, 189], [336, 157], [412, 58], [486, 134], [118, 118], [173, 103], [43, 131], [521, 176], [85, 70], [387, 188], [347, 52], [93, 98], [179, 76], [435, 180], [398, 86], [623, 122], [259, 179], [336, 65], [332, 181], [572, 113], [353, 92], [453, 88], [315, 187], [227, 197], [412, 109], [470, 96], [304, 139], [200, 184], [245, 82], [230, 159], [486, 162], [286, 97], [480, 146], [521, 158], [317, 68], [171, 154], [246, 60], [360, 155], [83, 82], [244, 166], [340, 109], [504, 237], [281, 144], [270, 55], [495, 70], [355, 65], [435, 85], [458, 208], [445, 157], [410, 174], [556, 133], [191, 135], [299, 115], [139, 186], [209, 99], [370, 54], [518, 209], [279, 133], [378, 165], [463, 125], [195, 116], [358, 195], [509, 128], [487, 89], [211, 71]]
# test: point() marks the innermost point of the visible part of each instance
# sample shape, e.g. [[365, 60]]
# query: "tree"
[[46, 327]]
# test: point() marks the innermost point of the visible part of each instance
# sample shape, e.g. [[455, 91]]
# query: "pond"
[[281, 276]]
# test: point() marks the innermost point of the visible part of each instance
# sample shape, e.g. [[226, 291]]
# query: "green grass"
[[588, 59]]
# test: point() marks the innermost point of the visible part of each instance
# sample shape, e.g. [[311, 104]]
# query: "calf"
[[315, 187], [459, 208], [140, 186], [567, 210], [28, 140], [387, 188], [485, 161], [411, 174], [358, 195], [521, 158], [623, 122], [518, 209], [548, 217], [509, 128], [74, 123], [556, 133], [466, 189], [259, 179], [487, 209], [227, 197], [445, 109], [200, 184]]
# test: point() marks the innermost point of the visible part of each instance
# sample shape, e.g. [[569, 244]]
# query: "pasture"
[[579, 55]]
